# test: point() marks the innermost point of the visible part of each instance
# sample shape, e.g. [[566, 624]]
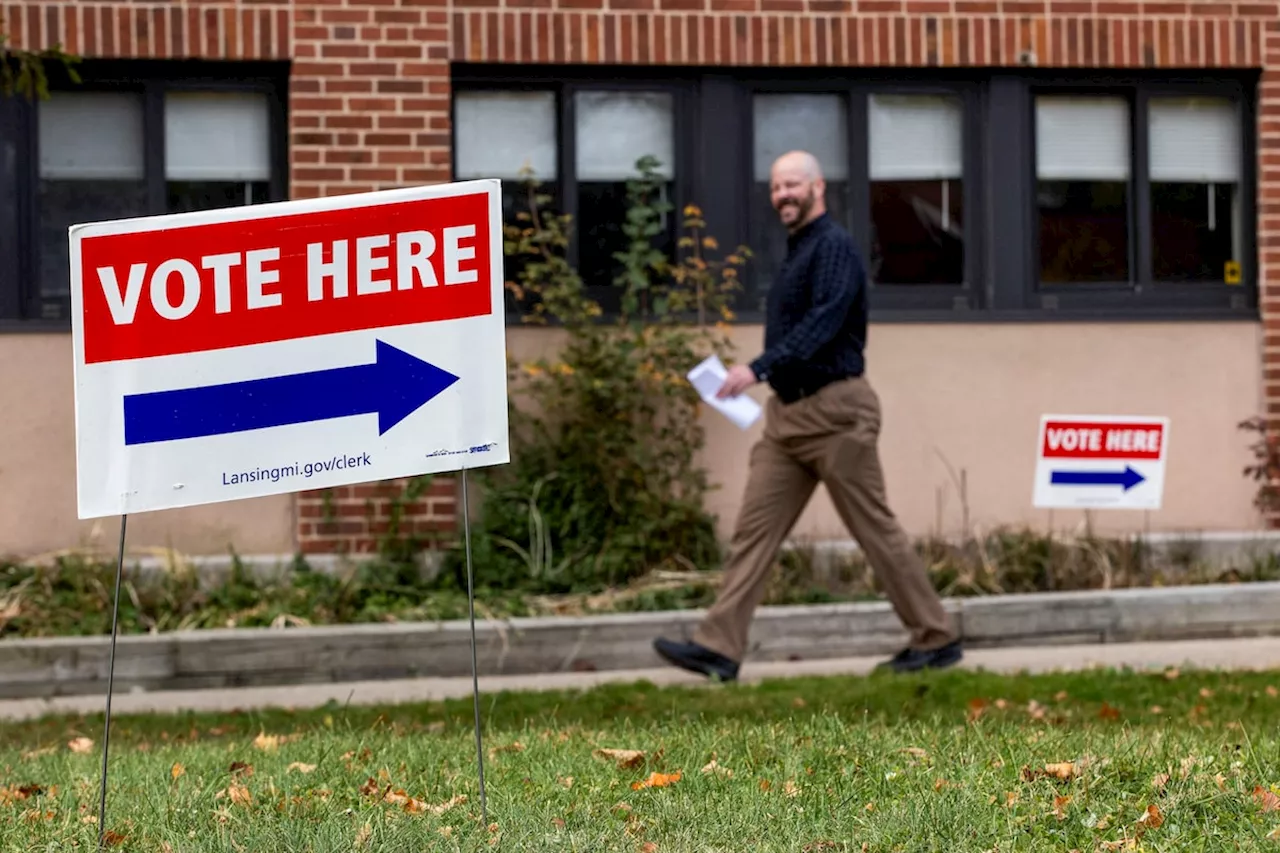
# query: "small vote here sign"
[[249, 351], [1100, 462]]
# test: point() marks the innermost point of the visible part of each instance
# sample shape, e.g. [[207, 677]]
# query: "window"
[[85, 177], [817, 123], [917, 189], [217, 149], [612, 131], [582, 143], [1083, 167], [1195, 157], [975, 193], [133, 138]]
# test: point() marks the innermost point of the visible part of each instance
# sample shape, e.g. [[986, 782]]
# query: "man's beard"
[[802, 205]]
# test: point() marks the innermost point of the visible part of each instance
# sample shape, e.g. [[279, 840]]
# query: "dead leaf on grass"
[[1266, 799], [237, 793], [1060, 807], [791, 789], [39, 753], [240, 768], [266, 742], [1171, 673], [362, 837], [916, 753], [566, 781], [1063, 771], [977, 707], [80, 745], [713, 766], [1122, 844], [515, 746], [300, 767], [176, 771], [1107, 712], [112, 838], [1151, 819], [1159, 781], [657, 780], [1272, 691], [626, 759]]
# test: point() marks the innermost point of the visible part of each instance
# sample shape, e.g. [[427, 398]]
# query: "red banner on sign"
[[1077, 440], [229, 284]]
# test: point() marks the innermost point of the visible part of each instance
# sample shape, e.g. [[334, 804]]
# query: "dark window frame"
[[958, 296], [22, 307], [564, 84], [1000, 223], [1143, 293]]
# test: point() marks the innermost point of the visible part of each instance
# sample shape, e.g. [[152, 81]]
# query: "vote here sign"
[[1108, 462], [274, 348]]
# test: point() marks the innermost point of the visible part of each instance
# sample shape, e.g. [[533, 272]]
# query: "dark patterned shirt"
[[816, 325]]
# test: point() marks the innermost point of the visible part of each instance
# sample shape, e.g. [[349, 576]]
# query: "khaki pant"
[[831, 438]]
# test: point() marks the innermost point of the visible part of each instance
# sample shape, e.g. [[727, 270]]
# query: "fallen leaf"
[[1151, 819], [1220, 781], [657, 780], [515, 746], [239, 767], [799, 702], [626, 759], [39, 753], [441, 808], [648, 847], [713, 767], [166, 847], [1060, 806], [1010, 797], [1063, 771], [1060, 696], [1159, 780], [765, 784], [1122, 844], [977, 707], [176, 771], [370, 787], [940, 783], [112, 839], [81, 745], [1035, 710], [1156, 709], [362, 837], [266, 742], [1274, 835], [1206, 693], [1171, 673], [791, 789], [917, 753], [566, 781], [557, 822], [1272, 692], [1266, 798], [1107, 712], [300, 767], [239, 794], [412, 805]]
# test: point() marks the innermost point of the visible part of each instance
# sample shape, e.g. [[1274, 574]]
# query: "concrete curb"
[[241, 657]]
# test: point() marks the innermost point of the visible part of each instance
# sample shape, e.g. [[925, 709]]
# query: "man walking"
[[821, 425]]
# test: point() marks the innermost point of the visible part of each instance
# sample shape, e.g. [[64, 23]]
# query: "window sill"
[[40, 327]]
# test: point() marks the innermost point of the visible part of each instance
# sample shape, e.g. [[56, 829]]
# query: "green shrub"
[[604, 484]]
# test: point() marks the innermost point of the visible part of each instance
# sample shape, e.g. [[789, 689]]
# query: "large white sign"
[[1100, 462], [274, 348]]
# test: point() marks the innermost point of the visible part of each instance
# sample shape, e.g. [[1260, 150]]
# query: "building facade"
[[1065, 207]]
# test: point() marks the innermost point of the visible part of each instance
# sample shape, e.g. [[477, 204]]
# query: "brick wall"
[[370, 89]]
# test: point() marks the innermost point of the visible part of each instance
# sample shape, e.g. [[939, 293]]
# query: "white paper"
[[707, 379]]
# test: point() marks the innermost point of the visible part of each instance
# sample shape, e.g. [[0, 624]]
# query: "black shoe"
[[696, 658], [913, 660]]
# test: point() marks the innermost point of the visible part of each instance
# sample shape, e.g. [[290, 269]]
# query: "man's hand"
[[740, 378]]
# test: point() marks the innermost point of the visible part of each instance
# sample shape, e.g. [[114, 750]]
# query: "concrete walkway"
[[1238, 654]]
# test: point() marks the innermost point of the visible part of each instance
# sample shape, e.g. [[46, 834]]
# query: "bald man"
[[822, 424]]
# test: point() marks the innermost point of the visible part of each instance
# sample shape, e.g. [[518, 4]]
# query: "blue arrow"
[[1128, 478], [395, 386]]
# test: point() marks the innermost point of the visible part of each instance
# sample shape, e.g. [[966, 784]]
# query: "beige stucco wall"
[[38, 474], [971, 394]]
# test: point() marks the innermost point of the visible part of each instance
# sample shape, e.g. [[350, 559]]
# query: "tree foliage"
[[23, 72]]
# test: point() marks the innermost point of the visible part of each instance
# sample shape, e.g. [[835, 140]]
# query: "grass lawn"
[[955, 761]]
